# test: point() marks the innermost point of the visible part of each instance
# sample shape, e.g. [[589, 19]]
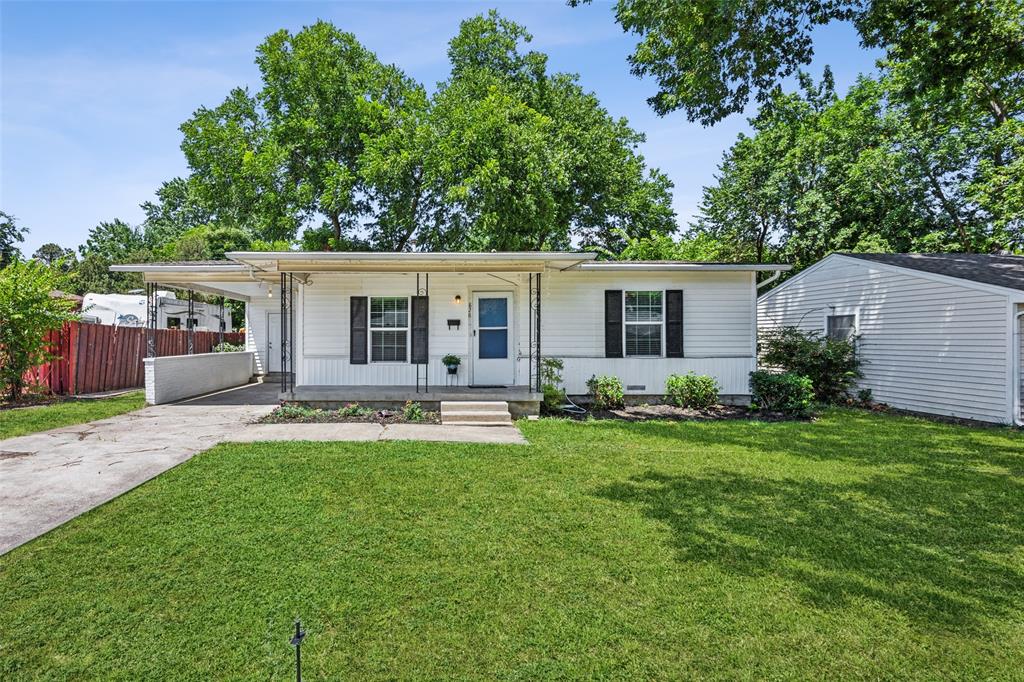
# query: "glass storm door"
[[492, 339]]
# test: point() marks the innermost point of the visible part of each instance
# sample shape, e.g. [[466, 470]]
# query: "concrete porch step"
[[476, 413]]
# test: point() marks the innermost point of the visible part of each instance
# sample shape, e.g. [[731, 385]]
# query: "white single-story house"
[[940, 334], [374, 327]]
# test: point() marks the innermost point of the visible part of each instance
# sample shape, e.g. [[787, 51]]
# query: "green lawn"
[[23, 420], [856, 547]]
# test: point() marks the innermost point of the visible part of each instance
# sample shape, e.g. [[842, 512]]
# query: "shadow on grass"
[[938, 540]]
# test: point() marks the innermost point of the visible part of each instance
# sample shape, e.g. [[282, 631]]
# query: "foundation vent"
[[636, 387]]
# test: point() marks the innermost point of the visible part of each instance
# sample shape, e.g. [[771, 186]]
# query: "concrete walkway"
[[51, 477], [369, 432]]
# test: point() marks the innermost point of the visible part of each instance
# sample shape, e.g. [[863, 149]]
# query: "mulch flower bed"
[[640, 413], [350, 414]]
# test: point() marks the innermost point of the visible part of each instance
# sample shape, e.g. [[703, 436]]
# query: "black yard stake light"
[[300, 635]]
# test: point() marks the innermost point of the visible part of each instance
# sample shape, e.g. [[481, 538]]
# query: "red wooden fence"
[[100, 357]]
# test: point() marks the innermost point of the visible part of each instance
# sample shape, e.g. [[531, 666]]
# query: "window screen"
[[644, 320], [389, 328], [840, 327]]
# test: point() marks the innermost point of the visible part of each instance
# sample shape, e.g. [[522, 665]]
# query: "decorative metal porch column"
[[151, 319], [533, 333], [287, 332], [425, 292], [537, 332]]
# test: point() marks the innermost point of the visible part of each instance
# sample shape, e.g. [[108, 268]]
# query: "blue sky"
[[92, 94]]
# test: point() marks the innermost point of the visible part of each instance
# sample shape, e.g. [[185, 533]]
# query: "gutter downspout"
[[1018, 419], [775, 276]]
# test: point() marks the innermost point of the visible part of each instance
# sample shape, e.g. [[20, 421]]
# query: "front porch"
[[522, 400]]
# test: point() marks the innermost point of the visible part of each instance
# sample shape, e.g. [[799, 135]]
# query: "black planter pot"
[[452, 369]]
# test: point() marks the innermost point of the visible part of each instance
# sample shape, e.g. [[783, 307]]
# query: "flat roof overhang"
[[258, 267]]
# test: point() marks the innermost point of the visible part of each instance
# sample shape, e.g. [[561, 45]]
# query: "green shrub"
[[784, 392], [606, 391], [832, 365], [692, 390], [354, 410], [288, 411], [228, 347], [451, 360], [551, 382], [554, 397], [28, 313], [413, 412]]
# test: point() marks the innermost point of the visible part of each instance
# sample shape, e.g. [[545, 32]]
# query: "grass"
[[860, 546], [24, 420]]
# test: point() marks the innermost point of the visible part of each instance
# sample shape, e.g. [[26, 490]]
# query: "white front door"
[[493, 360], [273, 342]]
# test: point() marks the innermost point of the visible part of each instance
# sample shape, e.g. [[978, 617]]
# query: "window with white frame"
[[389, 328], [644, 323], [840, 327]]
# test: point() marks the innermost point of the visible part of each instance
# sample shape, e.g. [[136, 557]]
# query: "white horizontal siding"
[[929, 346], [718, 311], [325, 326], [718, 326], [256, 310]]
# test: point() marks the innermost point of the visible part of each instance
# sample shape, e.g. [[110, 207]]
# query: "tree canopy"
[[504, 155]]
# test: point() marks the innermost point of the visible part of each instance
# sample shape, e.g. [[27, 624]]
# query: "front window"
[[389, 328], [840, 327], [644, 321]]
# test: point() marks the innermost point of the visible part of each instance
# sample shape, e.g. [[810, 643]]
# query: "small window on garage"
[[840, 327]]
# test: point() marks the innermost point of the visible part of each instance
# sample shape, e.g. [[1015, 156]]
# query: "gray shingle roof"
[[998, 270]]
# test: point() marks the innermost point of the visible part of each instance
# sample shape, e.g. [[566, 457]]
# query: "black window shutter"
[[420, 330], [358, 329], [613, 323], [674, 323]]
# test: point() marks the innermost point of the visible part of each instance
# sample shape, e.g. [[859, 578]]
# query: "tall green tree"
[[711, 58], [503, 156], [54, 254], [10, 236], [953, 75], [288, 154], [509, 156], [821, 173]]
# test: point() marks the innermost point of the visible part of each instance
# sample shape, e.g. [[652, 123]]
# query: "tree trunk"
[[336, 222]]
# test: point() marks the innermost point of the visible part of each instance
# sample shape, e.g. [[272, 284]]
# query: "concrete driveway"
[[51, 477]]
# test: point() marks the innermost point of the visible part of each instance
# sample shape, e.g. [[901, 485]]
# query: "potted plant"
[[452, 362]]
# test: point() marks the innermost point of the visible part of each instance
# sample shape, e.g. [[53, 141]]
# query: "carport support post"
[[151, 319], [189, 322], [220, 335]]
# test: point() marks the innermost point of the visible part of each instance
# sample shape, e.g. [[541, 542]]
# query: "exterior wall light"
[[458, 299]]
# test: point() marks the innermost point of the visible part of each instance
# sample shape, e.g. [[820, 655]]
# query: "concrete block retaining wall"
[[183, 376]]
